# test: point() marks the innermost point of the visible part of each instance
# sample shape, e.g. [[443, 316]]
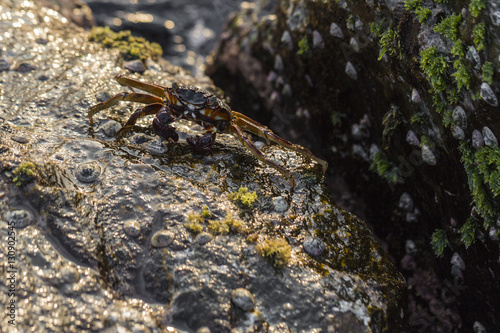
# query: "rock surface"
[[375, 84], [145, 235]]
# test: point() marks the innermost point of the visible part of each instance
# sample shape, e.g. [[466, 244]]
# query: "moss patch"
[[276, 250], [244, 197], [24, 173], [130, 47]]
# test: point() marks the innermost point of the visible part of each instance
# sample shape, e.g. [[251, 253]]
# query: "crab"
[[169, 104]]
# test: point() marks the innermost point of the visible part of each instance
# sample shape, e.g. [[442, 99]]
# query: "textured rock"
[[407, 65], [108, 221]]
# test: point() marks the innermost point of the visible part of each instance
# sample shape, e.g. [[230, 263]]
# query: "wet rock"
[[351, 71], [203, 238], [25, 67], [88, 172], [135, 66], [415, 96], [111, 127], [5, 64], [86, 252], [162, 238], [459, 117], [406, 202], [488, 95], [314, 246], [489, 138], [19, 218], [318, 41], [280, 205], [243, 299], [477, 139], [428, 156], [389, 67], [132, 228], [336, 31]]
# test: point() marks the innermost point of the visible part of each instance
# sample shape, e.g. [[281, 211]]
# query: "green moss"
[[450, 26], [458, 49], [434, 66], [426, 141], [303, 46], [423, 14], [377, 27], [468, 231], [417, 118], [384, 168], [479, 36], [276, 250], [475, 6], [439, 242], [336, 118], [461, 76], [487, 72], [130, 47], [24, 173], [243, 196], [226, 226], [483, 175], [389, 42], [415, 6], [193, 223], [391, 121], [206, 213]]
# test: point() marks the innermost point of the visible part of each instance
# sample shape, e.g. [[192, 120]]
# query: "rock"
[[408, 58], [83, 251]]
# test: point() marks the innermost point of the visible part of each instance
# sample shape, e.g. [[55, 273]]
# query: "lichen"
[[24, 173], [130, 47], [276, 250], [243, 196]]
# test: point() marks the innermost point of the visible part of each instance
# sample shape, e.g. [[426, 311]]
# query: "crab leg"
[[254, 127], [154, 89], [124, 96], [139, 113], [258, 154]]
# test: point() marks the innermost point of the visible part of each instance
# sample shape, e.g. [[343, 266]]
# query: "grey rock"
[[243, 299], [489, 138], [350, 70], [477, 139], [336, 31], [80, 258], [314, 246], [488, 95]]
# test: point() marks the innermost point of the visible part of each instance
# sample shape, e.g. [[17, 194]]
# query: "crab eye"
[[175, 86], [212, 100]]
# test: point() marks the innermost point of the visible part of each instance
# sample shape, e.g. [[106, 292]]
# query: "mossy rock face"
[[373, 86], [149, 230]]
